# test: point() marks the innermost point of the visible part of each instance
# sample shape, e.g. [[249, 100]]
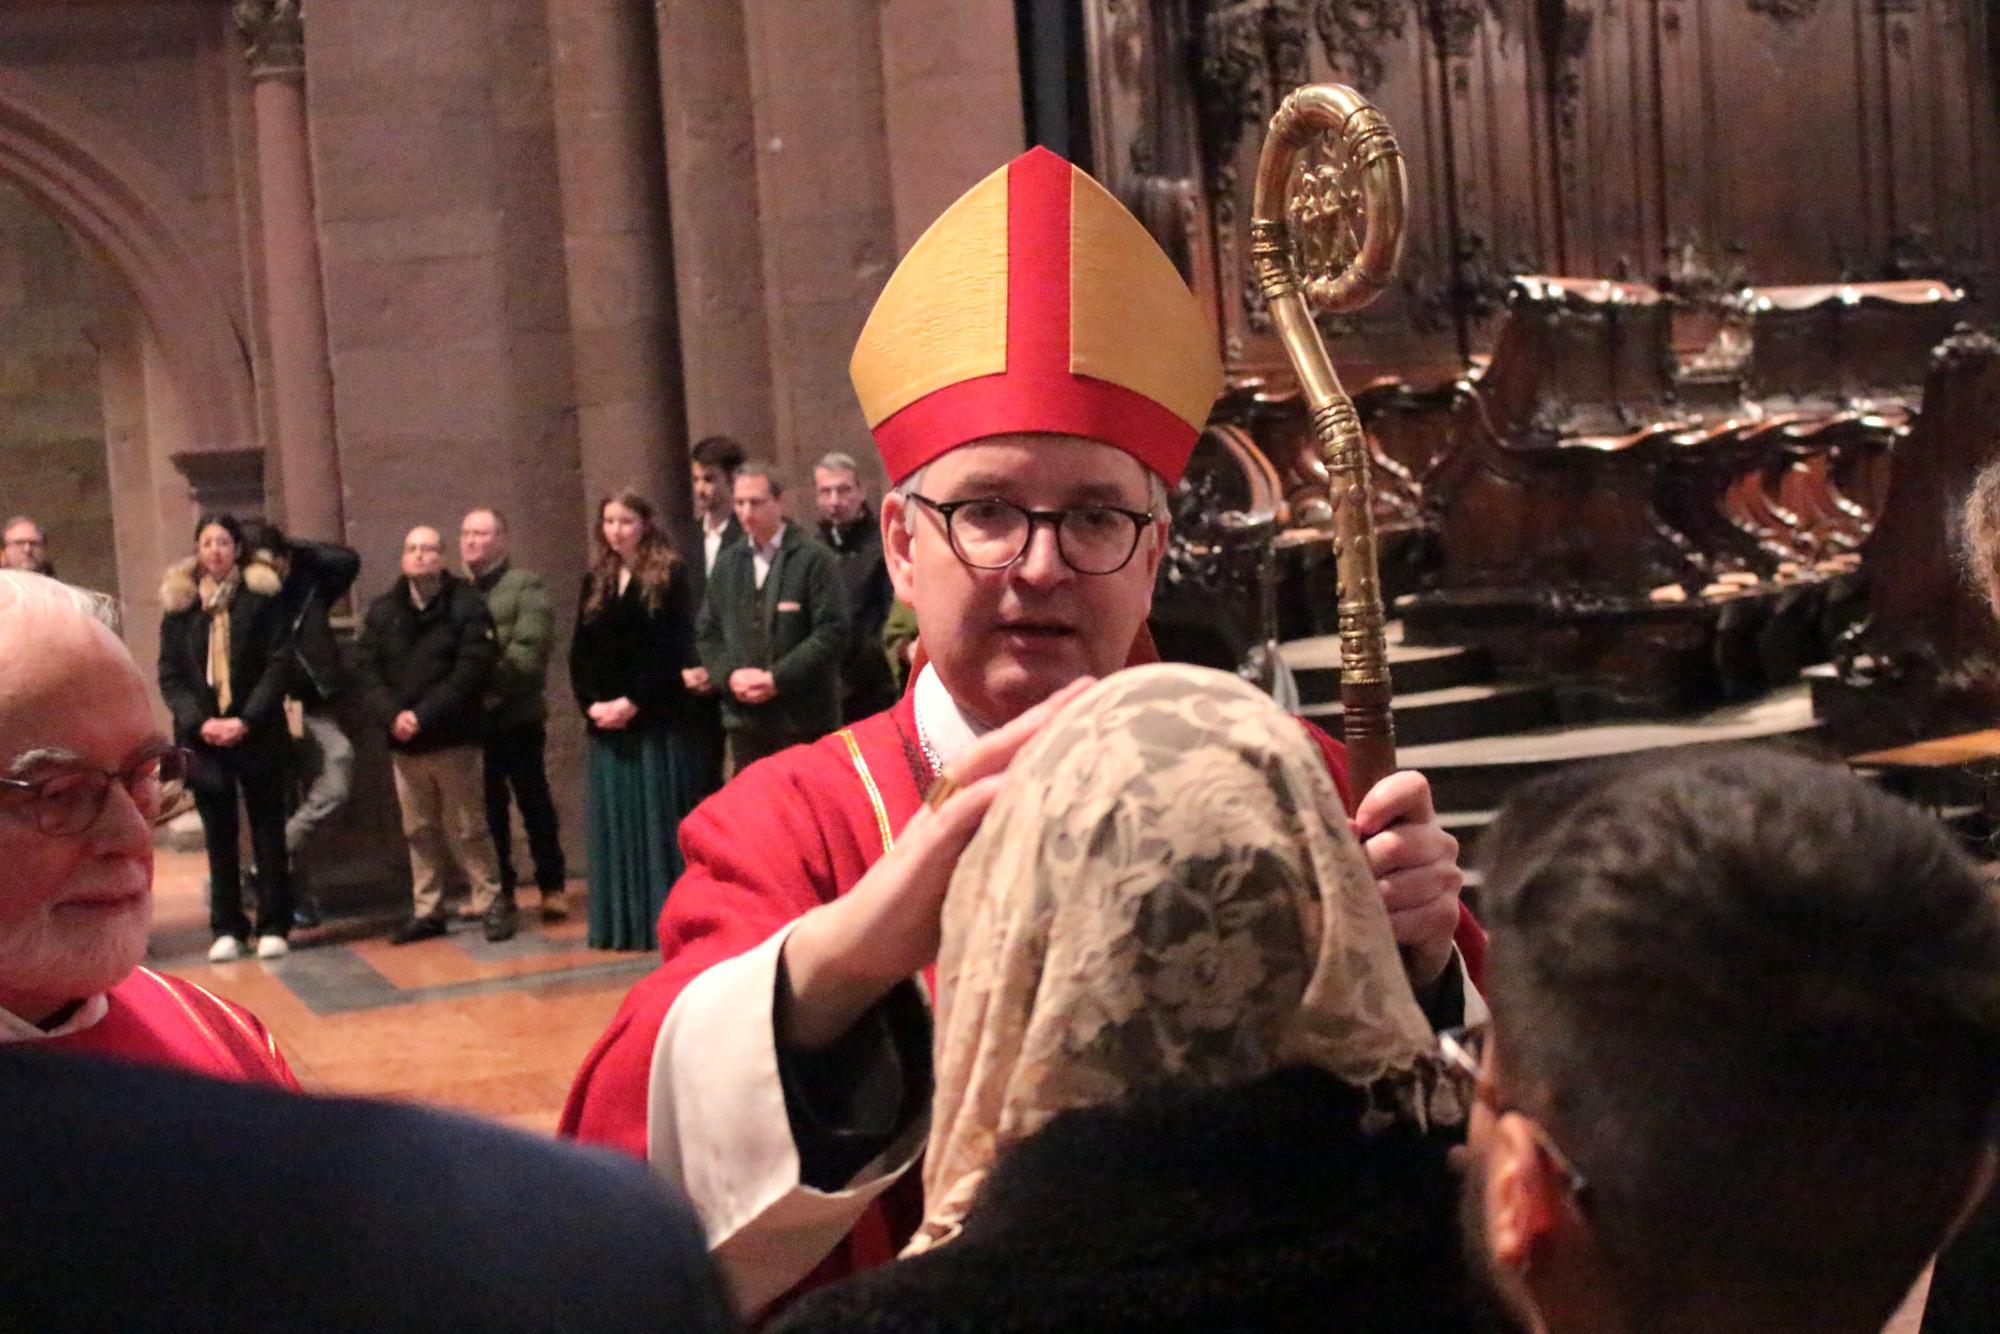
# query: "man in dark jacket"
[[316, 576], [773, 627], [517, 708], [427, 653], [847, 524], [712, 466]]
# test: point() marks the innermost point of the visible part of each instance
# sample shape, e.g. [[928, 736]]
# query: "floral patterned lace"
[[1166, 892]]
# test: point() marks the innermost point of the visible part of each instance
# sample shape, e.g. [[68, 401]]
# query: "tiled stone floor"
[[493, 1029]]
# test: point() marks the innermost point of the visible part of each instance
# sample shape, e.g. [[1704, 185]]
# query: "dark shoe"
[[306, 913], [555, 905], [501, 920], [418, 928]]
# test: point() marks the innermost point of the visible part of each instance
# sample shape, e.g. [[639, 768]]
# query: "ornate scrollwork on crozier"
[[274, 33]]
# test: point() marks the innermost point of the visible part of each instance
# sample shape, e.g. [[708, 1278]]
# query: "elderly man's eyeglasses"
[[1464, 1053], [991, 534], [68, 801]]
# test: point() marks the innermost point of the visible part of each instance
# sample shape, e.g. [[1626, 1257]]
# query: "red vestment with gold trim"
[[160, 1020], [786, 835]]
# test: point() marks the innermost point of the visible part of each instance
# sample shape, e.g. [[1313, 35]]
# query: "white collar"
[[942, 725], [715, 529], [768, 549], [13, 1028]]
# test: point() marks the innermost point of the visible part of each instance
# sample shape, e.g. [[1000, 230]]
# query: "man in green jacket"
[[516, 707], [773, 627]]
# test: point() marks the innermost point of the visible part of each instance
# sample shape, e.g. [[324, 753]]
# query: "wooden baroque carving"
[[1352, 33], [1453, 24], [1784, 11], [1252, 53], [274, 32]]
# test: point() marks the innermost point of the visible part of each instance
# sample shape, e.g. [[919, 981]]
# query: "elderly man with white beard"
[[85, 773]]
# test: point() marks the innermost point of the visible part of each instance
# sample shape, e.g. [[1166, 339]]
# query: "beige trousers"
[[443, 796]]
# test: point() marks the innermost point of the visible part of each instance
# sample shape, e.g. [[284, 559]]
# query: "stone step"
[[1413, 668], [1455, 713], [1476, 774]]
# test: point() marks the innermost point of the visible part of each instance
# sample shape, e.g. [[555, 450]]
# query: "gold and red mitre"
[[1036, 303]]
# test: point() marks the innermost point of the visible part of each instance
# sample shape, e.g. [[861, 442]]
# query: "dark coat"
[[257, 646], [317, 576], [435, 662], [149, 1199], [795, 625], [634, 652], [866, 684], [1254, 1208]]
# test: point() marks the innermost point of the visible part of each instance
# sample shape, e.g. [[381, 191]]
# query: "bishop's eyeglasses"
[[988, 533], [69, 800]]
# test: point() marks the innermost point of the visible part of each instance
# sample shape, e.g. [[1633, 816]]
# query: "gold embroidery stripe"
[[868, 782]]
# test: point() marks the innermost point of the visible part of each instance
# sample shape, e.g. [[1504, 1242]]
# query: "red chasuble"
[[161, 1020], [786, 835]]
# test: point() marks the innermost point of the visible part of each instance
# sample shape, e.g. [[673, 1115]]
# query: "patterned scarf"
[[1166, 892], [215, 600]]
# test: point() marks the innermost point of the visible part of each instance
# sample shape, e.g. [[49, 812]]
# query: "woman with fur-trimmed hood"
[[222, 673]]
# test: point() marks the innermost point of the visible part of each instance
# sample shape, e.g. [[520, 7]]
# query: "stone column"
[[618, 257], [825, 213], [295, 309], [711, 150]]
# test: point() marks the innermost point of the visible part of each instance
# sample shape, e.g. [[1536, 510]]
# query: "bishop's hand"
[[844, 956]]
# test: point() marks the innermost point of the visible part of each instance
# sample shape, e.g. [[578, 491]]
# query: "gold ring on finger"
[[940, 791]]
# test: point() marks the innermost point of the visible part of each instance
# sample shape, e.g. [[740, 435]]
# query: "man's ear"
[[1524, 1193], [896, 543]]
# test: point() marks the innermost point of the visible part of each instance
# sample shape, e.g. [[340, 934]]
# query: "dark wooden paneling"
[[1686, 141]]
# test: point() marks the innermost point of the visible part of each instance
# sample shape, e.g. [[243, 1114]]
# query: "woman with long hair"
[[634, 635], [222, 674]]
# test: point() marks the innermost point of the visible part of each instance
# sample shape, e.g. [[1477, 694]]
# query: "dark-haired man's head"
[[1745, 1047], [713, 463]]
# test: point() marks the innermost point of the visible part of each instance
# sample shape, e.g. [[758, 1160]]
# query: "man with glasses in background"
[[1744, 1054], [1035, 374], [85, 775], [24, 547]]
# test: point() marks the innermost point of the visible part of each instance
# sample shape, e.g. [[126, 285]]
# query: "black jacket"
[[433, 662], [1255, 1208], [795, 625], [150, 1199], [866, 684], [317, 576], [257, 676], [632, 652]]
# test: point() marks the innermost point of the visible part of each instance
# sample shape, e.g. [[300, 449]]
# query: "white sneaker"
[[272, 947], [226, 949]]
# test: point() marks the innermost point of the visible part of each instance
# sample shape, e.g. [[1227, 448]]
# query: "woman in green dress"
[[634, 637]]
